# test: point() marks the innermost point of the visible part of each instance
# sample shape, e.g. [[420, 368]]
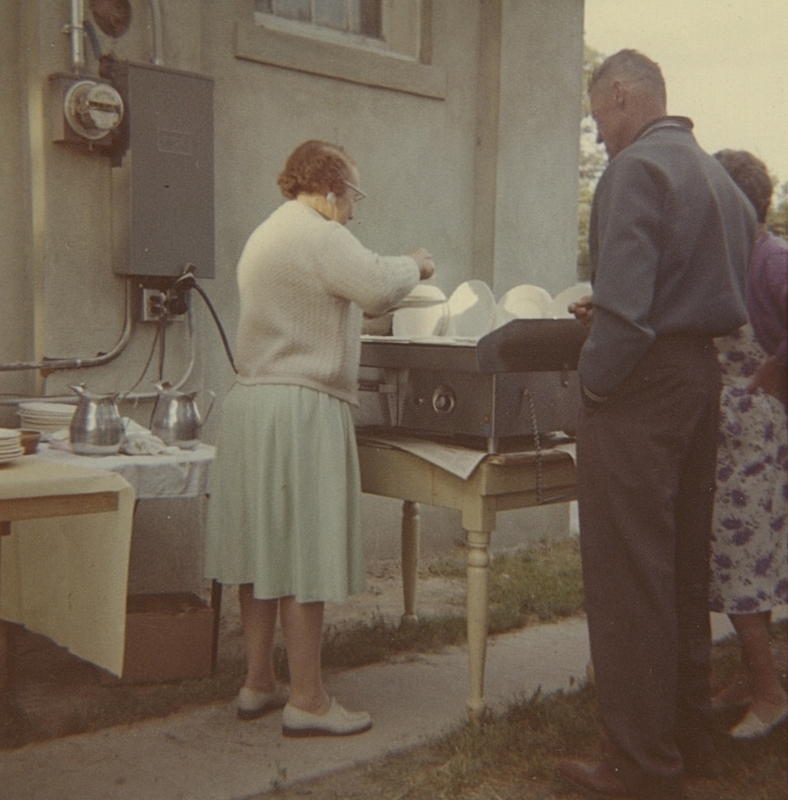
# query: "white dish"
[[560, 303], [48, 409], [523, 302], [9, 434], [423, 319], [423, 295], [39, 425], [6, 457], [471, 310]]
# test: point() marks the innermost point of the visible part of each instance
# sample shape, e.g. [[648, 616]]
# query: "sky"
[[725, 64]]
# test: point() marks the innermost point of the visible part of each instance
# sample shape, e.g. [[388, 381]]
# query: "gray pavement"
[[206, 754]]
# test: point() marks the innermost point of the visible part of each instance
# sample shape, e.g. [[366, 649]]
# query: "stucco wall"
[[484, 175], [536, 207], [16, 297]]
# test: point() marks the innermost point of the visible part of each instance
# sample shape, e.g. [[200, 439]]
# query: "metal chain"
[[537, 443]]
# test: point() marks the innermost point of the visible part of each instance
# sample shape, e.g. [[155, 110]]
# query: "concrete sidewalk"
[[207, 754]]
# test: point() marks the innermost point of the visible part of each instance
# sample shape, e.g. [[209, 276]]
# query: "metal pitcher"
[[176, 419], [96, 428]]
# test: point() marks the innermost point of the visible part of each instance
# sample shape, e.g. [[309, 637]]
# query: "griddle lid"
[[532, 345]]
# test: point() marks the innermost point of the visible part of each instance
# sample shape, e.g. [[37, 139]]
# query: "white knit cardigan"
[[303, 283]]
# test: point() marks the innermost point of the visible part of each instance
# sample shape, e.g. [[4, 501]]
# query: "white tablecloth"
[[168, 541], [184, 474]]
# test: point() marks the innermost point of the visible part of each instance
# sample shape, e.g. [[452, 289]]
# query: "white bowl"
[[523, 302], [471, 310]]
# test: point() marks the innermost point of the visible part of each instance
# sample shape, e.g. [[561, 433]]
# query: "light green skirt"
[[285, 495]]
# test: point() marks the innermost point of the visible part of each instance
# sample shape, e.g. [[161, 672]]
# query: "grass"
[[542, 584], [512, 755], [516, 754]]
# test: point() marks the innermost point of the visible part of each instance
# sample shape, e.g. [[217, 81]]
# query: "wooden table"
[[501, 482], [89, 580]]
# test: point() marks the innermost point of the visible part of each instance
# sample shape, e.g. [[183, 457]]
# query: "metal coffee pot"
[[176, 419], [96, 428]]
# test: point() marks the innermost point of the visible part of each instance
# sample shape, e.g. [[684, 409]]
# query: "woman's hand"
[[771, 376], [424, 260]]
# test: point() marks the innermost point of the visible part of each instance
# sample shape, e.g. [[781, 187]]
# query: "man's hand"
[[583, 310], [772, 377]]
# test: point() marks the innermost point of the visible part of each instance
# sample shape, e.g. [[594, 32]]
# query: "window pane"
[[293, 9], [369, 12], [331, 14], [354, 16]]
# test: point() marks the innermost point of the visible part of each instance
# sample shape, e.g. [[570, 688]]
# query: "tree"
[[777, 218]]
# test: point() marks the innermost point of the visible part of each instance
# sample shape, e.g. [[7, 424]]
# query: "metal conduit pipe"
[[76, 32], [80, 363], [15, 400], [157, 33]]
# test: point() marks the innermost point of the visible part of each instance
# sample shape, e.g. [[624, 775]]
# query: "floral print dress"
[[749, 559]]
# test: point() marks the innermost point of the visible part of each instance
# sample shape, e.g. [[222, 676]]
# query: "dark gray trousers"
[[646, 463]]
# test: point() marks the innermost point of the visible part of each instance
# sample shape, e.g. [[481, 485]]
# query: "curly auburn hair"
[[751, 176], [315, 167]]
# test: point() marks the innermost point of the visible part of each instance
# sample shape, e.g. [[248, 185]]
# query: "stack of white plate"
[[10, 445], [45, 416]]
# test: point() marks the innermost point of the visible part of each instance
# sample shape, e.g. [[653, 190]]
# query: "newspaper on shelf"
[[459, 461]]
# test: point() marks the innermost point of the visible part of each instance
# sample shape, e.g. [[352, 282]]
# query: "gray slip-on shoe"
[[253, 704], [753, 727], [337, 721]]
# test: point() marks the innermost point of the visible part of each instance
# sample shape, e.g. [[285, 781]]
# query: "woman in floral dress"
[[749, 562]]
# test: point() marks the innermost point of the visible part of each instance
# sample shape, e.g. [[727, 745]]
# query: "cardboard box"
[[168, 637]]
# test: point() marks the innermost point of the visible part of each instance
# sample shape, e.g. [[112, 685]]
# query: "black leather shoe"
[[701, 765], [596, 780], [600, 781]]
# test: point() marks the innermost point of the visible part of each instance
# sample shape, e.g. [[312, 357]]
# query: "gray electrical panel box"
[[168, 183]]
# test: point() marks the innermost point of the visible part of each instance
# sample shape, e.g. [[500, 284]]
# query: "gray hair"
[[634, 68]]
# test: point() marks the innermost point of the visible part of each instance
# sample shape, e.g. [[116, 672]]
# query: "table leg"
[[216, 607], [410, 558], [477, 602], [5, 630]]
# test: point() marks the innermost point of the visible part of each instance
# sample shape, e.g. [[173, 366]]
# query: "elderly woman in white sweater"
[[284, 512]]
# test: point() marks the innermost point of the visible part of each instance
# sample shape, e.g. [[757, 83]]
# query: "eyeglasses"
[[359, 195]]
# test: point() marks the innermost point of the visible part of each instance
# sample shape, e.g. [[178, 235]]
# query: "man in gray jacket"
[[670, 239]]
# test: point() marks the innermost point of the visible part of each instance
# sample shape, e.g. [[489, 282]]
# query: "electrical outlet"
[[163, 305], [153, 305]]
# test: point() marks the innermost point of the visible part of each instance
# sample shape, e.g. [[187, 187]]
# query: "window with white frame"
[[361, 17], [381, 43]]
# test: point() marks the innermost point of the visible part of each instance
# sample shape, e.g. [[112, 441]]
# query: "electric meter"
[[93, 110]]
